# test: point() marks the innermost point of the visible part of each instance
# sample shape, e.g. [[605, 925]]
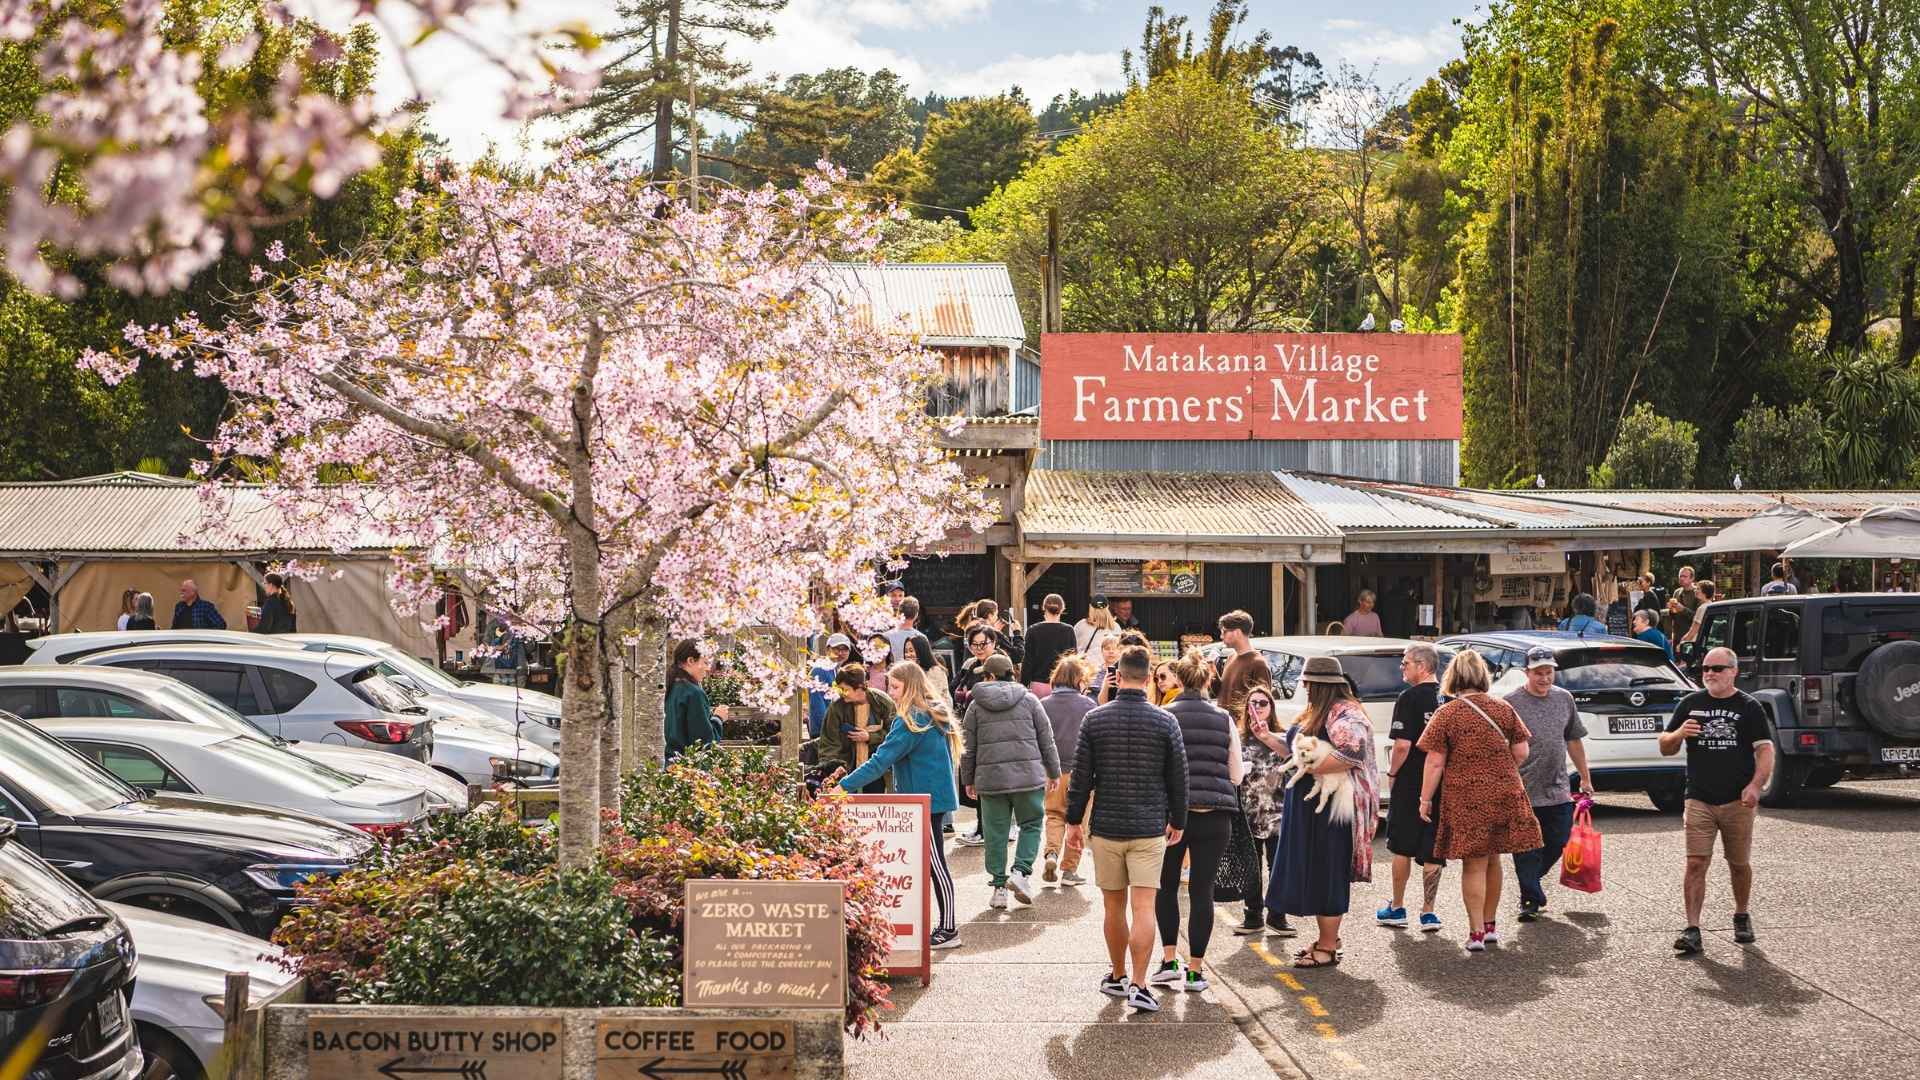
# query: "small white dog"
[[1334, 787]]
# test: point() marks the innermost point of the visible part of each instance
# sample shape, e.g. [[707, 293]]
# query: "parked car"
[[230, 864], [534, 715], [1625, 690], [70, 648], [187, 760], [1372, 664], [67, 972], [179, 1001], [1839, 676], [80, 690]]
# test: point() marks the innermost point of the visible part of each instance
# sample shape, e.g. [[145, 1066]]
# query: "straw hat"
[[1323, 669]]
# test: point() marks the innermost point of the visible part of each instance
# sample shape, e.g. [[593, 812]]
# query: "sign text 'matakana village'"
[[1250, 386]]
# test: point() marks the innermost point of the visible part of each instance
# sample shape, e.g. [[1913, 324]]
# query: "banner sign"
[[1527, 562], [899, 838], [765, 944], [1151, 577], [1250, 386]]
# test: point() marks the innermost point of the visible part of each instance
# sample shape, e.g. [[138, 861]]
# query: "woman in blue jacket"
[[691, 719], [916, 750]]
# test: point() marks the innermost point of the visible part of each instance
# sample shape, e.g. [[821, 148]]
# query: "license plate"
[[1900, 753], [1633, 725], [112, 1016]]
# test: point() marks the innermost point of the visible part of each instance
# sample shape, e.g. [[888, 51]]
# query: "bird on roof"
[[1367, 323]]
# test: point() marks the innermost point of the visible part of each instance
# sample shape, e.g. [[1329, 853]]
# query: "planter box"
[[287, 1032]]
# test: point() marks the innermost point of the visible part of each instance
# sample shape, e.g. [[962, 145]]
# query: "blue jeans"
[[1556, 825]]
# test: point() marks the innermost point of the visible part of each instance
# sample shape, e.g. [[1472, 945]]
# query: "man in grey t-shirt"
[[1551, 715]]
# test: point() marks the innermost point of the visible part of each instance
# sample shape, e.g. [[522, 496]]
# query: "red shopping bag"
[[1580, 862]]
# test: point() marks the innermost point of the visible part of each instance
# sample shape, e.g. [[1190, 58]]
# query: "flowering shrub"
[[471, 910]]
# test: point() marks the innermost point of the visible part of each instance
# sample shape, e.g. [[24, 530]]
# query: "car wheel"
[[181, 906], [1824, 776], [1668, 800], [166, 1058], [1788, 781]]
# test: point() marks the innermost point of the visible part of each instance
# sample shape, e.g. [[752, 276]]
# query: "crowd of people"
[[1074, 741]]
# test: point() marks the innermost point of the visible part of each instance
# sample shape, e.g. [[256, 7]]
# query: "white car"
[[180, 996], [78, 690], [536, 716], [236, 768], [70, 648], [332, 697], [1371, 663]]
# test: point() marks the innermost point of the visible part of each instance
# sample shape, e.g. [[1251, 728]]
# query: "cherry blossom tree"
[[123, 158], [614, 412]]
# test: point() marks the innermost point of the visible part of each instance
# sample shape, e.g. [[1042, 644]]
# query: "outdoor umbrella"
[[1884, 532], [1769, 530]]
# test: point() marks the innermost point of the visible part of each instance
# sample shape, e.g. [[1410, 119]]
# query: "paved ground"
[[1832, 988]]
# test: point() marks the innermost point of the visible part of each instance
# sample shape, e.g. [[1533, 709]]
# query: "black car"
[[1839, 676], [1625, 690], [230, 864], [67, 967]]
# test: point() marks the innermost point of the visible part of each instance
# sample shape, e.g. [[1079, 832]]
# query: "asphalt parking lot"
[[1832, 987]]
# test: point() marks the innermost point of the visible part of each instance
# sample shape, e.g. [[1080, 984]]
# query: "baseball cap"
[[889, 586], [1541, 656], [1099, 599], [999, 666], [839, 641]]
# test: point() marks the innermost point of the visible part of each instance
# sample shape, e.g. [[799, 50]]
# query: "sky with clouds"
[[958, 47]]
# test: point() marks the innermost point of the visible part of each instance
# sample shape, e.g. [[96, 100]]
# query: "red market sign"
[[1250, 386]]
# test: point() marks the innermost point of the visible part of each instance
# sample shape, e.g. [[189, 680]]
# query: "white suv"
[[534, 715]]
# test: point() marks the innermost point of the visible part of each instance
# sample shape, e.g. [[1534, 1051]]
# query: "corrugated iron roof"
[[1349, 505], [942, 303], [1530, 511], [1722, 507], [1191, 507], [113, 517]]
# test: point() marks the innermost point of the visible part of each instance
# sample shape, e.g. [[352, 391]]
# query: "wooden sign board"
[[765, 944], [434, 1047], [1527, 562], [641, 1048], [898, 833]]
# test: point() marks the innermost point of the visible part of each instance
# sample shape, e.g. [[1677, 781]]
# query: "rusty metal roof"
[[112, 515], [1184, 507], [1348, 504], [1529, 511], [1721, 507], [941, 303]]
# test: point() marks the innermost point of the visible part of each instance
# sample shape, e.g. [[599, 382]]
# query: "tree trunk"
[[611, 788], [583, 702], [663, 108], [1909, 317], [649, 680]]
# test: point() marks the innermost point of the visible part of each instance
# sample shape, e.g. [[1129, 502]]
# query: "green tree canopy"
[[1651, 451], [973, 148]]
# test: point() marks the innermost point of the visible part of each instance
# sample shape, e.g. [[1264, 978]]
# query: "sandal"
[[1310, 958]]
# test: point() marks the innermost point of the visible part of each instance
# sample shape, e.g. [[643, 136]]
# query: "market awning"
[[1770, 530], [1225, 517], [1885, 532]]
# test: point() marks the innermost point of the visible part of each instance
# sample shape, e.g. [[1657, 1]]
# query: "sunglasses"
[[1716, 667], [1259, 703]]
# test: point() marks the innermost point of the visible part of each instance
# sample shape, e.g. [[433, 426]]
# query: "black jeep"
[[1839, 675]]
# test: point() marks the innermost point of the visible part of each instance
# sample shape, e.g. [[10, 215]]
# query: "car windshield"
[[43, 770], [289, 771], [1376, 674], [1585, 670], [381, 693], [196, 707], [34, 897], [429, 677]]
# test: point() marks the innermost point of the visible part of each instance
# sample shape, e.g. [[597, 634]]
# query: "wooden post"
[[1277, 596], [1440, 594], [1310, 600], [234, 1040], [1017, 590]]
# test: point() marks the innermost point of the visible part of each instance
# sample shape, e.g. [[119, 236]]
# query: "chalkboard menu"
[[1149, 577], [947, 584]]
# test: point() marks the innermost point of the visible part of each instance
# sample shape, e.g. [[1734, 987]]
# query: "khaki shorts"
[[1118, 864], [1733, 822]]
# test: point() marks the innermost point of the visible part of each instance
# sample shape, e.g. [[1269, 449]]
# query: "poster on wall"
[[1149, 577], [1250, 386], [1528, 562], [897, 830]]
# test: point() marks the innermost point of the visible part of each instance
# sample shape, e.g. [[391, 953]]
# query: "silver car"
[[336, 698], [236, 768], [76, 690], [534, 715], [180, 996]]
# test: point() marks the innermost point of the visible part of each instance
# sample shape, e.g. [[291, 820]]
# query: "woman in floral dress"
[[1323, 852], [1262, 749]]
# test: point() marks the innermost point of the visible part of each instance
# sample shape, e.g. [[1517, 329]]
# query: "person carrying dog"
[[1326, 844]]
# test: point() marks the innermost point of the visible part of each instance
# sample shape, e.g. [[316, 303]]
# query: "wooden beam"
[[1310, 604], [992, 435], [1277, 596], [1017, 592], [39, 578], [1039, 571], [1440, 593], [1120, 547], [246, 567]]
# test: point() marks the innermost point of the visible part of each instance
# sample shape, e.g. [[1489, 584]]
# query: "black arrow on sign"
[[466, 1070], [657, 1069]]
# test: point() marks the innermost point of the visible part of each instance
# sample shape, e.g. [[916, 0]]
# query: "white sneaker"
[[999, 901], [1169, 973], [1140, 999], [1021, 888], [972, 839]]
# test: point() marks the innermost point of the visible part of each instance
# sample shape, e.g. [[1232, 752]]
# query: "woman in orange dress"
[[1474, 746]]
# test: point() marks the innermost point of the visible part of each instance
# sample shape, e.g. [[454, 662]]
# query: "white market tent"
[[1772, 529], [1884, 532]]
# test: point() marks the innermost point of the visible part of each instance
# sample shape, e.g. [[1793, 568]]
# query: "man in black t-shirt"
[[1729, 759], [1409, 838]]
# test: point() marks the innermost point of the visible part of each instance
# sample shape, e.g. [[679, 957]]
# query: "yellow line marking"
[[1326, 1032], [1314, 1008], [1290, 982]]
